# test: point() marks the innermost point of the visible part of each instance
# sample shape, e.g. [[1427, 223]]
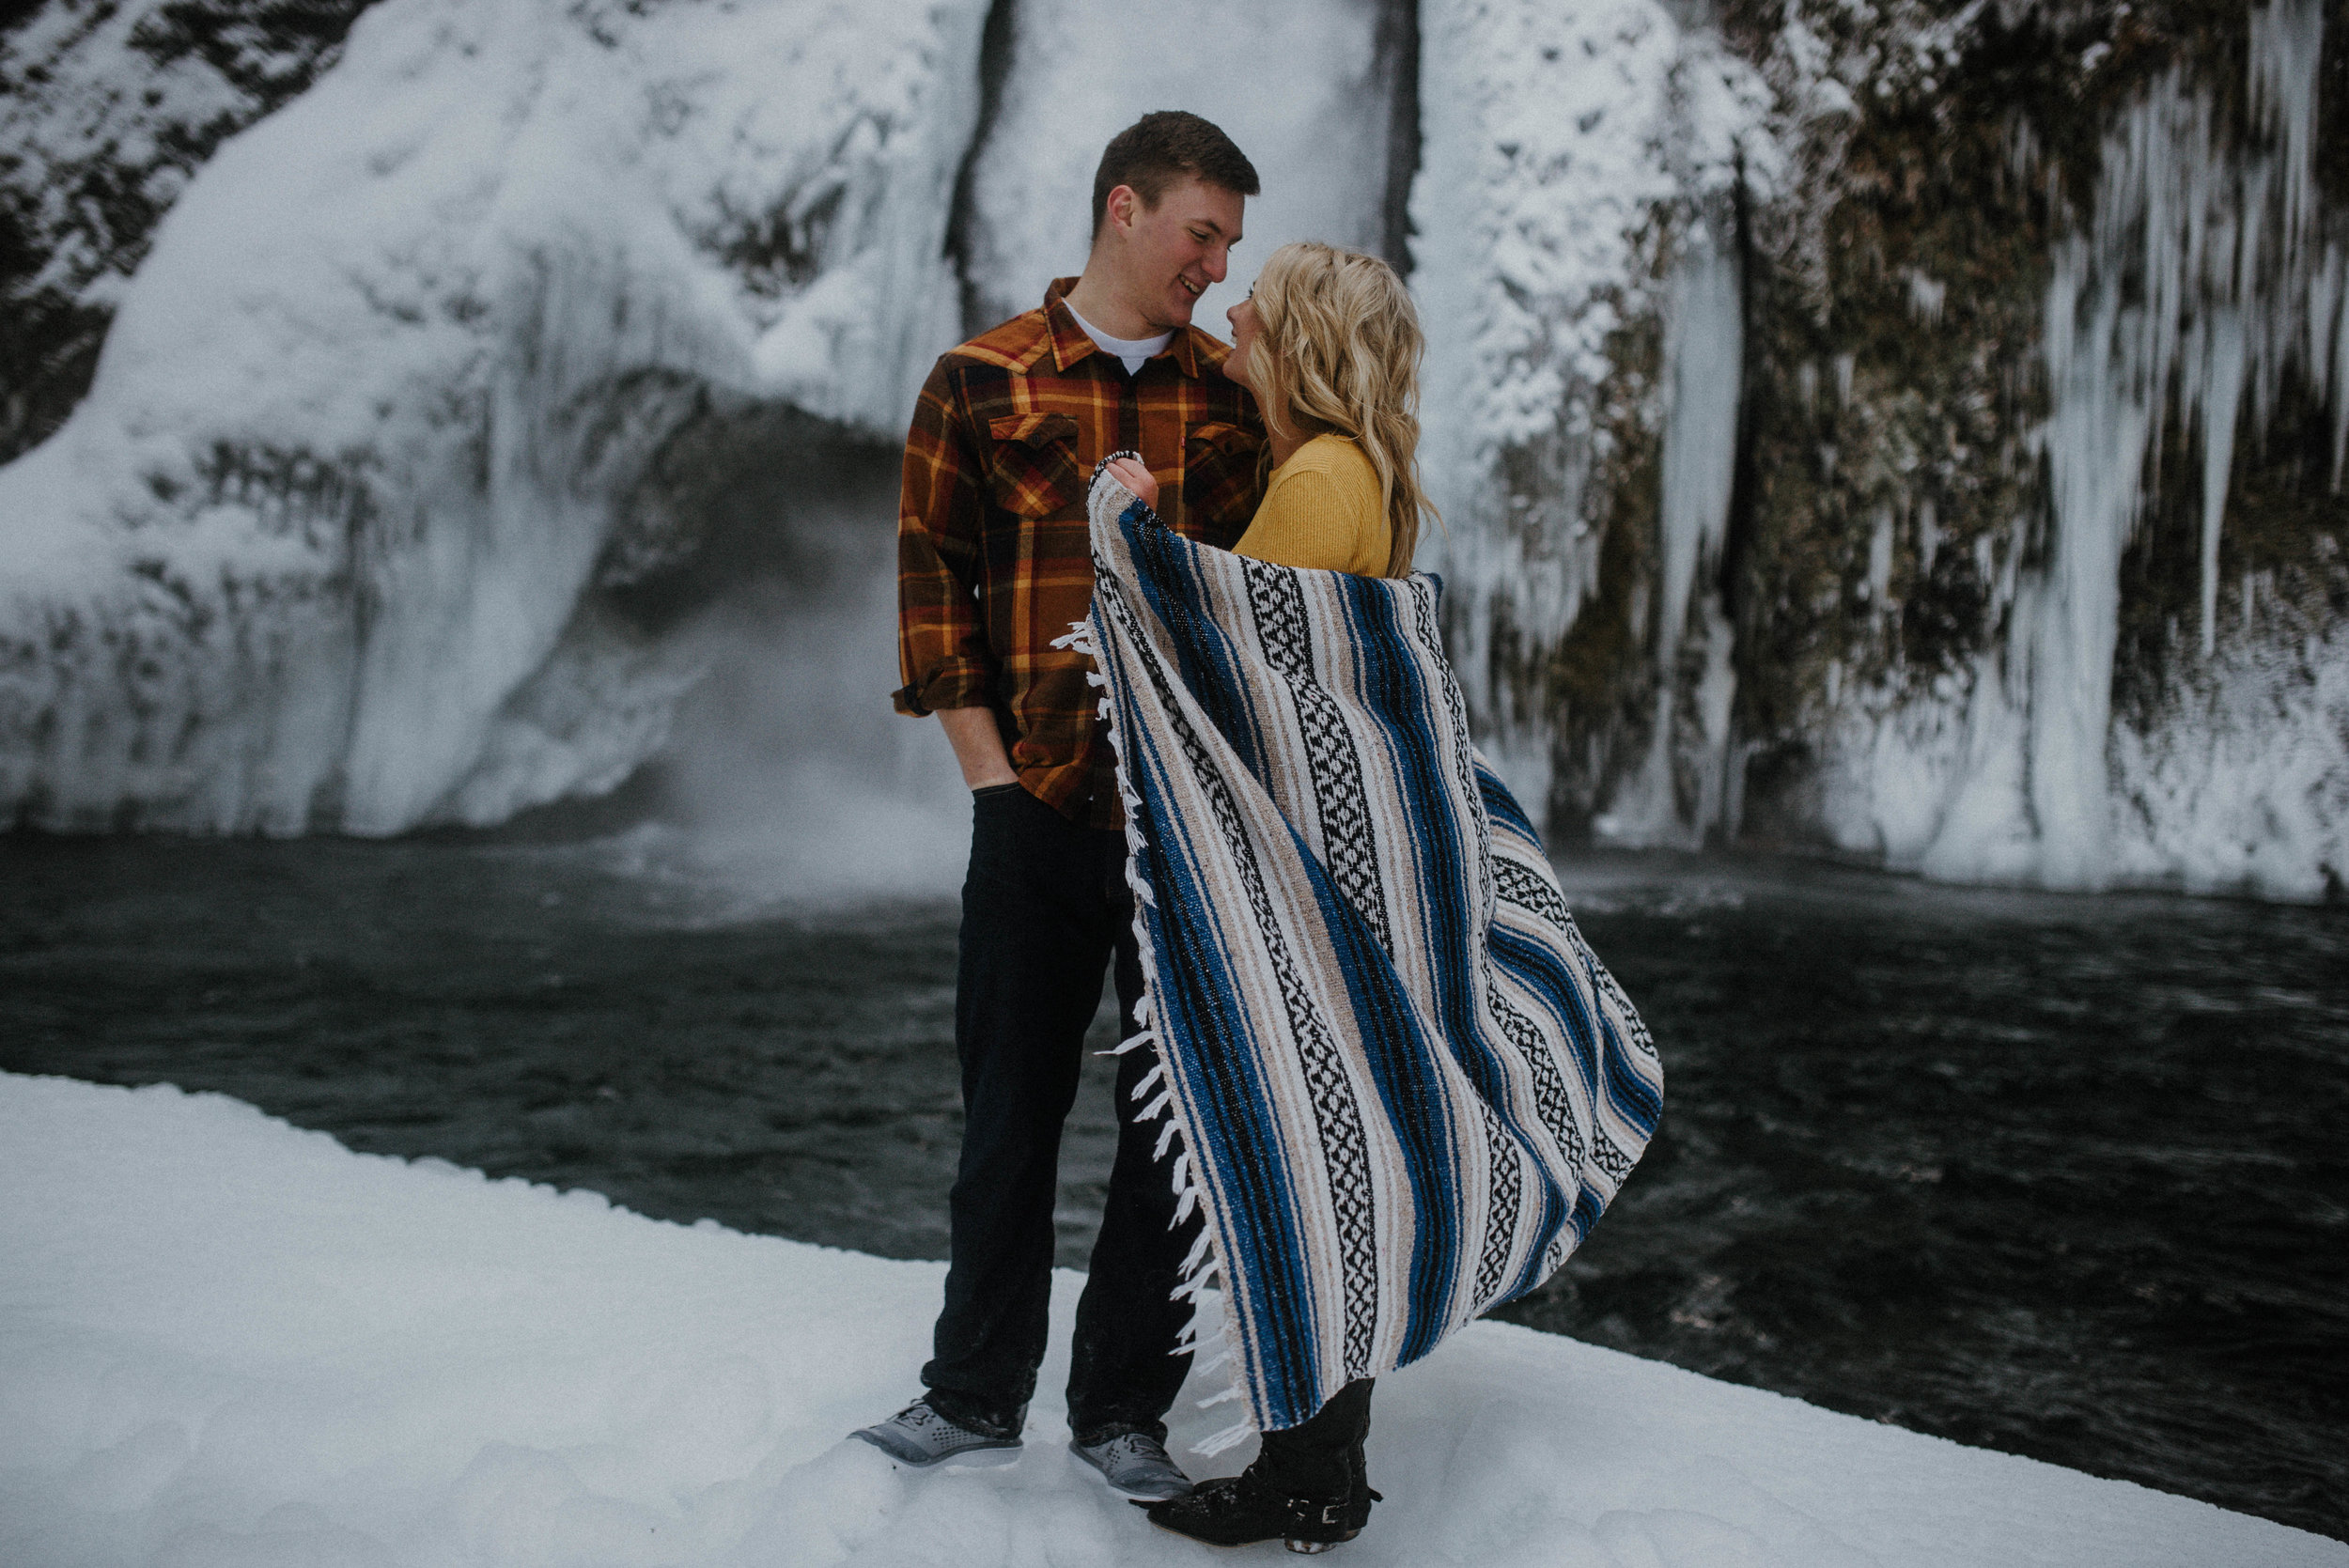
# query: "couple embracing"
[[1373, 1084]]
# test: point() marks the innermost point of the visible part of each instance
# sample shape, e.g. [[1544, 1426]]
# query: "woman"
[[1328, 342], [1404, 1087]]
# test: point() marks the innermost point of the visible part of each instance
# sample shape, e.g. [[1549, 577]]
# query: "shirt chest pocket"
[[1033, 473], [1219, 479]]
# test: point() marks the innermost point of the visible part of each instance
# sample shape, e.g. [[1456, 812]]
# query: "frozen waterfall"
[[518, 405], [339, 537]]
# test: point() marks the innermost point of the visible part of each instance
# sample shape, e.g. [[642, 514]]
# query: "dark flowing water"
[[2062, 1177]]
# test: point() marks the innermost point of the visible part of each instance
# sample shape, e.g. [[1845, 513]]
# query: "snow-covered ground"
[[226, 1342]]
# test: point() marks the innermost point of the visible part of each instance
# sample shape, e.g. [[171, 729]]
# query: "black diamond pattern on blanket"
[[1333, 765], [1526, 887], [1501, 1231]]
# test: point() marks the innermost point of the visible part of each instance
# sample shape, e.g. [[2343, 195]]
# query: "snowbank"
[[224, 1341]]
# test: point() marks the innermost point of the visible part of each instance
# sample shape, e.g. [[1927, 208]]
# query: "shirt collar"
[[1071, 342]]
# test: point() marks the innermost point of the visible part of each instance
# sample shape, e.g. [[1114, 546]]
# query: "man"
[[994, 561]]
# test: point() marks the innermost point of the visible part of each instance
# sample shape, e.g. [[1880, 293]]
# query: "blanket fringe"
[[1192, 1289], [1132, 1042], [1192, 1339], [1231, 1437], [1204, 1264]]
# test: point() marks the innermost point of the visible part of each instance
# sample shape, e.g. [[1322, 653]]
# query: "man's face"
[[1169, 253]]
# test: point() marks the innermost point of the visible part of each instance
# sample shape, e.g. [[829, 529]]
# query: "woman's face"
[[1243, 318]]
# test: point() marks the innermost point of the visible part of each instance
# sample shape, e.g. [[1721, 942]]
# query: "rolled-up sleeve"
[[942, 654]]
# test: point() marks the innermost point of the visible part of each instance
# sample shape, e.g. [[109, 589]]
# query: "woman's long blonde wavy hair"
[[1337, 352]]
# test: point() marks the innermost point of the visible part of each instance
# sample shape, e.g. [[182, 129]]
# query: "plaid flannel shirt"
[[994, 559]]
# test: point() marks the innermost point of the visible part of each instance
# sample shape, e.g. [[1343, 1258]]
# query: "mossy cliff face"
[[1998, 610]]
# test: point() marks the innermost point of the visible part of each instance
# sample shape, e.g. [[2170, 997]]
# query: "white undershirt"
[[1132, 352]]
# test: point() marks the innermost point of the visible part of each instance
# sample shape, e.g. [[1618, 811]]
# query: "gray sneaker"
[[1136, 1466], [919, 1435]]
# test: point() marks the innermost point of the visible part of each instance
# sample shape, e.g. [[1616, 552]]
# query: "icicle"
[[2224, 394], [1703, 353], [1231, 1437]]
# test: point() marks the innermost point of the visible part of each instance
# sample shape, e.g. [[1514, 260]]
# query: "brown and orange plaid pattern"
[[994, 559]]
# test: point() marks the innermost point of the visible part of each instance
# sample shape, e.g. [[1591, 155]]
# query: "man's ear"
[[1120, 207]]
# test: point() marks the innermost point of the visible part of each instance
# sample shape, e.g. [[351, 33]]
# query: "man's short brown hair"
[[1159, 148]]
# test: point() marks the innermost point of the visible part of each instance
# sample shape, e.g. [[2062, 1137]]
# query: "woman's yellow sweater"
[[1322, 511]]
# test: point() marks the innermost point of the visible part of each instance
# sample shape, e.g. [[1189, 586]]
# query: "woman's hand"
[[1136, 478]]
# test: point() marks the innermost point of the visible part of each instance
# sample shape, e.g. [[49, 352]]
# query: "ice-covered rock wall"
[[2198, 281], [1909, 427], [2047, 578], [340, 536], [1902, 427]]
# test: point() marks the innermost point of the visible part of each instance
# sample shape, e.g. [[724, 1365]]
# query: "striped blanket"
[[1403, 1085]]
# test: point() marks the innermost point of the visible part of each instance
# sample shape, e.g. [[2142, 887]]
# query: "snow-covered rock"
[[106, 108], [318, 549]]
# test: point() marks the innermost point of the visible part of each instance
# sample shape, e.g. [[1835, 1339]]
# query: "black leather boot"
[[1238, 1509]]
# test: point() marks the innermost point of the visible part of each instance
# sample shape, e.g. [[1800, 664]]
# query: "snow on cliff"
[[224, 1341], [315, 551]]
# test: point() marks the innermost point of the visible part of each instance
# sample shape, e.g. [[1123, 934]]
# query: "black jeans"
[[1313, 1459], [1044, 910]]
